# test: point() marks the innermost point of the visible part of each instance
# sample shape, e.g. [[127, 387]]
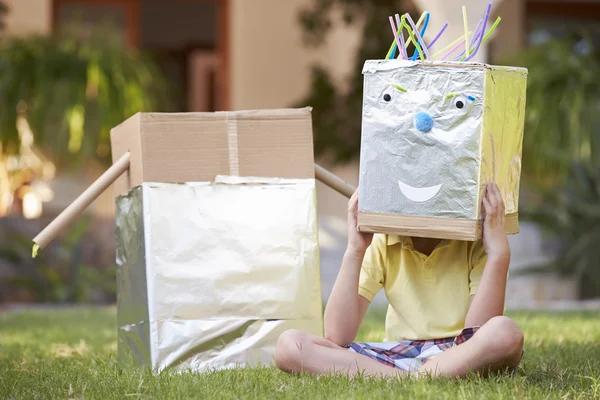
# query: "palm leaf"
[[73, 91], [563, 101], [571, 212]]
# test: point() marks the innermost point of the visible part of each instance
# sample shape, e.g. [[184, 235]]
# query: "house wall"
[[270, 66], [510, 37], [27, 17]]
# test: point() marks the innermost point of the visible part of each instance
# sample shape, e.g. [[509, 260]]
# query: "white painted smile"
[[419, 194]]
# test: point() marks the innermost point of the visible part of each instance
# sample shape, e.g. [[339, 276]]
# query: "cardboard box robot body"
[[217, 250]]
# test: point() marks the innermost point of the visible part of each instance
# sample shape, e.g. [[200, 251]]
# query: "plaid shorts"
[[410, 355]]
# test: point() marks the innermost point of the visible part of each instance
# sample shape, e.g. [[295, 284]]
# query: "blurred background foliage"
[[561, 153], [72, 91], [59, 274], [570, 212], [3, 11], [60, 95], [563, 104]]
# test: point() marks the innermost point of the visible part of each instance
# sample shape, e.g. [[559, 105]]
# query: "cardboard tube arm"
[[82, 202], [334, 181]]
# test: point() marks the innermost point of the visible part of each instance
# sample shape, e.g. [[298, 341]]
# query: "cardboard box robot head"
[[434, 133]]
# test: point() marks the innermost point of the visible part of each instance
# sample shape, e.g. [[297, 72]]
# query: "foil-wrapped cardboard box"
[[433, 135], [210, 274], [217, 250]]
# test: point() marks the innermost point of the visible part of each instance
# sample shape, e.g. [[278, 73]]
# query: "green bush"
[[561, 154], [58, 274], [563, 105], [73, 90], [571, 212]]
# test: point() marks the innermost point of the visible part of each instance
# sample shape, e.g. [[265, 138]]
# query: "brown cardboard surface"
[[264, 143], [124, 138], [433, 227], [183, 147], [191, 147], [419, 226]]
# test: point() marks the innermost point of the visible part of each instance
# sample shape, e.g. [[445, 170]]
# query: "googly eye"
[[387, 97], [460, 103]]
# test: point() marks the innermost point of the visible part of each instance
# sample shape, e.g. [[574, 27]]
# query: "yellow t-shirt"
[[429, 296]]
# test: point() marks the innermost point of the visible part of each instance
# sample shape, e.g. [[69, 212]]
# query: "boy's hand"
[[495, 240], [357, 242]]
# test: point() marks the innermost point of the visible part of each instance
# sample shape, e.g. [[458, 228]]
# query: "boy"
[[446, 306]]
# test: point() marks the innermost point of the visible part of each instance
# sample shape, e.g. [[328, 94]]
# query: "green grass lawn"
[[71, 354]]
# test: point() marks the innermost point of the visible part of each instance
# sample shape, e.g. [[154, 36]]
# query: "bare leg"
[[298, 351], [497, 345]]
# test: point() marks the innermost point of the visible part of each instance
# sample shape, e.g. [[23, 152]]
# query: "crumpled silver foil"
[[210, 274], [401, 166]]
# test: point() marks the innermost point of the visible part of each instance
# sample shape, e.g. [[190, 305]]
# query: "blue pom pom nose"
[[423, 121]]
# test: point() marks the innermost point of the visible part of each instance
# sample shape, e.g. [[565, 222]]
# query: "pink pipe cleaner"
[[401, 36], [453, 50], [395, 34]]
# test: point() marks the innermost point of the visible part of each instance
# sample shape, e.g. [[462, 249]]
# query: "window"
[[83, 15]]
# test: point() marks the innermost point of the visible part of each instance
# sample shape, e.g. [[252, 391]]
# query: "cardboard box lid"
[[194, 147]]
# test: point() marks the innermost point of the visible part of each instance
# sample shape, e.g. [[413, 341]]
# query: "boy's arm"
[[345, 308], [488, 301]]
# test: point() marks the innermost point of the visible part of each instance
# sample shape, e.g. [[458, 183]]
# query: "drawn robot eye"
[[388, 97], [460, 101]]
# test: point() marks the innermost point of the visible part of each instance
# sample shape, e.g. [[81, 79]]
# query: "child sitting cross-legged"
[[446, 305]]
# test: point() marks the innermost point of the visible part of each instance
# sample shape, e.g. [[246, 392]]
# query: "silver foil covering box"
[[210, 274], [433, 135]]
